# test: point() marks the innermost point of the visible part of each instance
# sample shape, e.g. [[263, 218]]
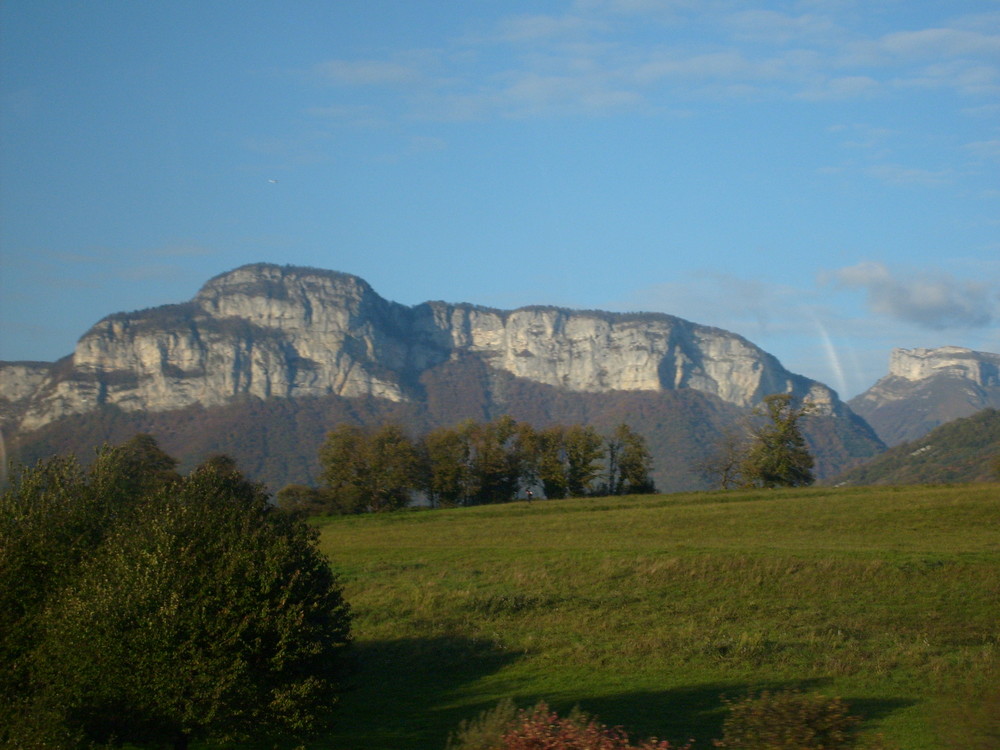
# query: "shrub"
[[541, 728], [484, 731], [788, 720]]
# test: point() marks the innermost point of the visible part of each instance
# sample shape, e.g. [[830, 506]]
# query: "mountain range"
[[265, 359]]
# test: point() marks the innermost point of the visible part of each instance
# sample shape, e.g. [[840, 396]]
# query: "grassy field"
[[647, 610]]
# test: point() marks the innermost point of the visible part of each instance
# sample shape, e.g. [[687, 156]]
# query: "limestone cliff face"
[[928, 387], [272, 331], [19, 382], [980, 368]]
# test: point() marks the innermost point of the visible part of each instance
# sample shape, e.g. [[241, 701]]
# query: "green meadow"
[[648, 610]]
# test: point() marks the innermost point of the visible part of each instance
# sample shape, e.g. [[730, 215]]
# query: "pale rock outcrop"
[[20, 380], [272, 331], [919, 364], [928, 387]]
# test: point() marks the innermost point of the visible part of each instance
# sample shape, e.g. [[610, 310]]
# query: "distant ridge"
[[964, 450], [263, 346]]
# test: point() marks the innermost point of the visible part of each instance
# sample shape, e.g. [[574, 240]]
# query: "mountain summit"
[[272, 331], [928, 387], [284, 333]]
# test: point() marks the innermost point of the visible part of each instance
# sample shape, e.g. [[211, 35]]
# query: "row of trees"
[[142, 607], [474, 463]]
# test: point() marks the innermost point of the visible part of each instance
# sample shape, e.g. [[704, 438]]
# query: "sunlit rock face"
[[952, 361], [278, 332], [19, 384], [928, 387]]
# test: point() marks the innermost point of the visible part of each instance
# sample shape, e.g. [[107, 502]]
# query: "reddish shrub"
[[541, 728]]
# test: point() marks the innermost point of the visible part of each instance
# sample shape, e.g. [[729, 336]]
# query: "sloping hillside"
[[965, 450]]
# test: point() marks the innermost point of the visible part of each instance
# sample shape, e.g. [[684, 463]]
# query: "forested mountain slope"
[[964, 450]]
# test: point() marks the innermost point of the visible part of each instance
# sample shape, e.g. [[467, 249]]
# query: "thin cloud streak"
[[585, 62]]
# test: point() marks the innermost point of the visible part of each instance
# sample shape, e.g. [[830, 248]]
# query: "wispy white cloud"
[[929, 299], [730, 65], [839, 88], [985, 149], [367, 72], [359, 115], [530, 93], [774, 27], [963, 76], [657, 8], [940, 42], [865, 137], [595, 58], [897, 174], [519, 29]]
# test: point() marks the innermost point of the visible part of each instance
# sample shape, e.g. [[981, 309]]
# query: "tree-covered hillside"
[[965, 450], [276, 441]]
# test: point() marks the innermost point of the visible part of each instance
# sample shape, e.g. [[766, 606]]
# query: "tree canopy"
[[378, 469], [777, 455], [144, 607], [769, 451]]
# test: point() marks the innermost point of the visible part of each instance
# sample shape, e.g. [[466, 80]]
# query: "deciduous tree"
[[447, 474], [777, 455], [497, 459], [629, 462], [550, 461], [372, 470], [584, 450], [725, 462]]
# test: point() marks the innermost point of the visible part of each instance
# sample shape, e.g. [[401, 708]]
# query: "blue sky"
[[820, 176]]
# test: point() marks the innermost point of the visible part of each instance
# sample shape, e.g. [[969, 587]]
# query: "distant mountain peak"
[[929, 387], [954, 361]]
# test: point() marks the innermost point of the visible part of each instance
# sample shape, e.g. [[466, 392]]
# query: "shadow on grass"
[[394, 697], [400, 692], [697, 713]]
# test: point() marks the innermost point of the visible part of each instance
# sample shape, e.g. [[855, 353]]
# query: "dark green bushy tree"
[[51, 517], [303, 500], [497, 459], [193, 610], [777, 455]]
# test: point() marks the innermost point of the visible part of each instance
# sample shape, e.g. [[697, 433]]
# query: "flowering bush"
[[783, 720], [541, 728]]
